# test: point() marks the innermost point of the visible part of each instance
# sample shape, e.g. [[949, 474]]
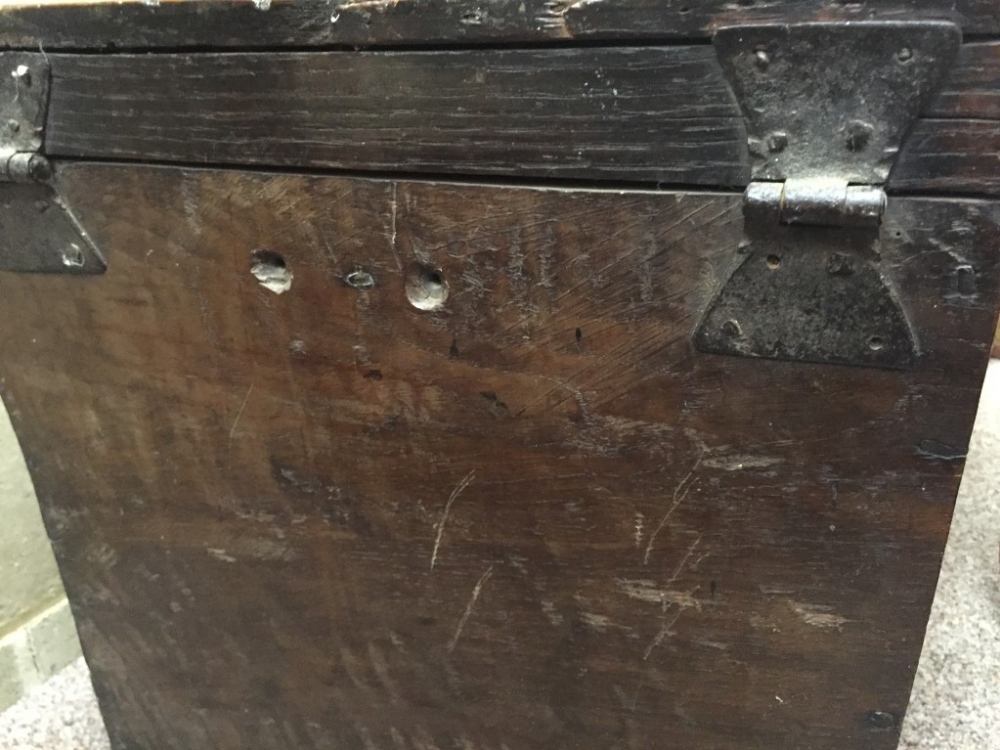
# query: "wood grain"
[[635, 114], [533, 519], [215, 24]]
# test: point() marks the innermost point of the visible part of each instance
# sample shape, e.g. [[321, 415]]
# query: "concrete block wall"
[[37, 633]]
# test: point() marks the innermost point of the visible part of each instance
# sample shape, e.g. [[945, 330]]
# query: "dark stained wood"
[[300, 23], [534, 519], [947, 155], [973, 86], [657, 114]]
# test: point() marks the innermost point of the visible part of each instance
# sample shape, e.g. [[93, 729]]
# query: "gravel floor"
[[956, 701], [956, 695], [59, 715]]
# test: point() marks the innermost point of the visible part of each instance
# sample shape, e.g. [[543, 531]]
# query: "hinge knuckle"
[[815, 202], [25, 166]]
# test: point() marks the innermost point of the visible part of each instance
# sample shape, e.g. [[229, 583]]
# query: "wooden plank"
[[973, 86], [535, 518], [572, 113], [215, 24], [637, 114], [950, 155]]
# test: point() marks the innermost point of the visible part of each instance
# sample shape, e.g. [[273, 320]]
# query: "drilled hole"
[[270, 270], [359, 279], [904, 55], [875, 343], [426, 288], [773, 262]]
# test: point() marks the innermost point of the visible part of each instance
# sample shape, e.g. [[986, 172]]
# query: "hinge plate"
[[833, 100], [38, 233], [810, 295], [24, 94], [826, 106]]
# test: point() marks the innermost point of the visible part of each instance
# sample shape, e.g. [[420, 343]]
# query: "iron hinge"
[[38, 232], [826, 107]]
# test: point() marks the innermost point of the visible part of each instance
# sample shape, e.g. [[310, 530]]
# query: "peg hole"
[[271, 271], [773, 262], [875, 343], [426, 288]]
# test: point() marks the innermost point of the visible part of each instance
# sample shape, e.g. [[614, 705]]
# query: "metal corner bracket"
[[826, 107], [38, 233]]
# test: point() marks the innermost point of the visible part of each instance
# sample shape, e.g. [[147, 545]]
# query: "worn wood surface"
[[533, 519], [660, 114], [300, 23]]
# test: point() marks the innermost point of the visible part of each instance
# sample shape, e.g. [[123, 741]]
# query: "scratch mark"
[[664, 632], [935, 450], [680, 567], [447, 509], [646, 591], [477, 589], [819, 616], [232, 430], [366, 5], [220, 554], [679, 494], [381, 667], [601, 623], [392, 237], [742, 463], [551, 612]]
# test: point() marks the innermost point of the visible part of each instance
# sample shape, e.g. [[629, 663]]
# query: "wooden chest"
[[507, 375]]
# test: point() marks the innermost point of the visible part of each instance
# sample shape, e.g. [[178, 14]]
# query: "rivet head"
[[904, 55], [731, 328], [777, 142], [72, 256], [13, 126], [762, 60], [22, 75]]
